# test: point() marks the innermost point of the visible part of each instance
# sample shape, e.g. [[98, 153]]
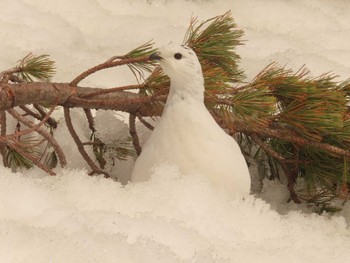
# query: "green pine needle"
[[16, 160], [51, 160], [138, 68], [314, 108], [39, 68], [255, 106], [121, 149], [214, 42]]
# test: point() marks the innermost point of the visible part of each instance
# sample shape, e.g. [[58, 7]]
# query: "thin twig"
[[16, 79], [3, 133], [133, 133], [80, 145], [31, 113], [144, 122], [90, 119], [9, 72], [107, 64], [52, 122]]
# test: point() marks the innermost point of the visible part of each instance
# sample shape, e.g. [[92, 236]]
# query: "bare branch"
[[133, 133], [90, 119], [43, 113], [3, 133], [31, 113], [80, 145], [9, 72], [111, 90], [21, 94], [144, 122], [50, 121], [108, 64]]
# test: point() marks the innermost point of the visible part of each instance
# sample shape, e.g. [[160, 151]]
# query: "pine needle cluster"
[[33, 67], [214, 42], [314, 109]]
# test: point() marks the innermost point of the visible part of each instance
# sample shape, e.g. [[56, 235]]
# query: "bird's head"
[[179, 62]]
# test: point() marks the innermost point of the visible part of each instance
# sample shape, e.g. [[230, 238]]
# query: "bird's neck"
[[191, 90]]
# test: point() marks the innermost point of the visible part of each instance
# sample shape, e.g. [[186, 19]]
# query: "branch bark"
[[12, 95]]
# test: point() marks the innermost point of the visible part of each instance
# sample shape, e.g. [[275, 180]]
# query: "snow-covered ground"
[[75, 218]]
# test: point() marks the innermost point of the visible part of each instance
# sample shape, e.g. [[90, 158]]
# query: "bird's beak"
[[155, 56]]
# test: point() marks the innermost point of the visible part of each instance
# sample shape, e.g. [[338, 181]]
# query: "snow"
[[76, 218], [172, 218]]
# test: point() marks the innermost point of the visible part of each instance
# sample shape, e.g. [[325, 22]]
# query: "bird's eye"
[[178, 56]]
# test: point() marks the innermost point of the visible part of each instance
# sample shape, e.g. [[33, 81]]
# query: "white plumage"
[[186, 135]]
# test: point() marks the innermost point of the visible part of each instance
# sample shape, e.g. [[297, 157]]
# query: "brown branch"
[[9, 72], [12, 95], [3, 133], [144, 122], [31, 113], [42, 132], [105, 65], [111, 90], [52, 122], [15, 79], [80, 145], [90, 119], [128, 104], [133, 133]]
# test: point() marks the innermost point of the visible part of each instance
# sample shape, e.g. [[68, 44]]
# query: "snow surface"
[[76, 218]]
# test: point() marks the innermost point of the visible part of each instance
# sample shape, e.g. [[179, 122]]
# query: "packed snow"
[[171, 218]]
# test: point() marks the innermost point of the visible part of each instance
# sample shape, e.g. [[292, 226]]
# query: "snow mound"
[[171, 218]]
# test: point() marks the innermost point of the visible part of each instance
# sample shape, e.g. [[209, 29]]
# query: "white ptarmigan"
[[187, 135]]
